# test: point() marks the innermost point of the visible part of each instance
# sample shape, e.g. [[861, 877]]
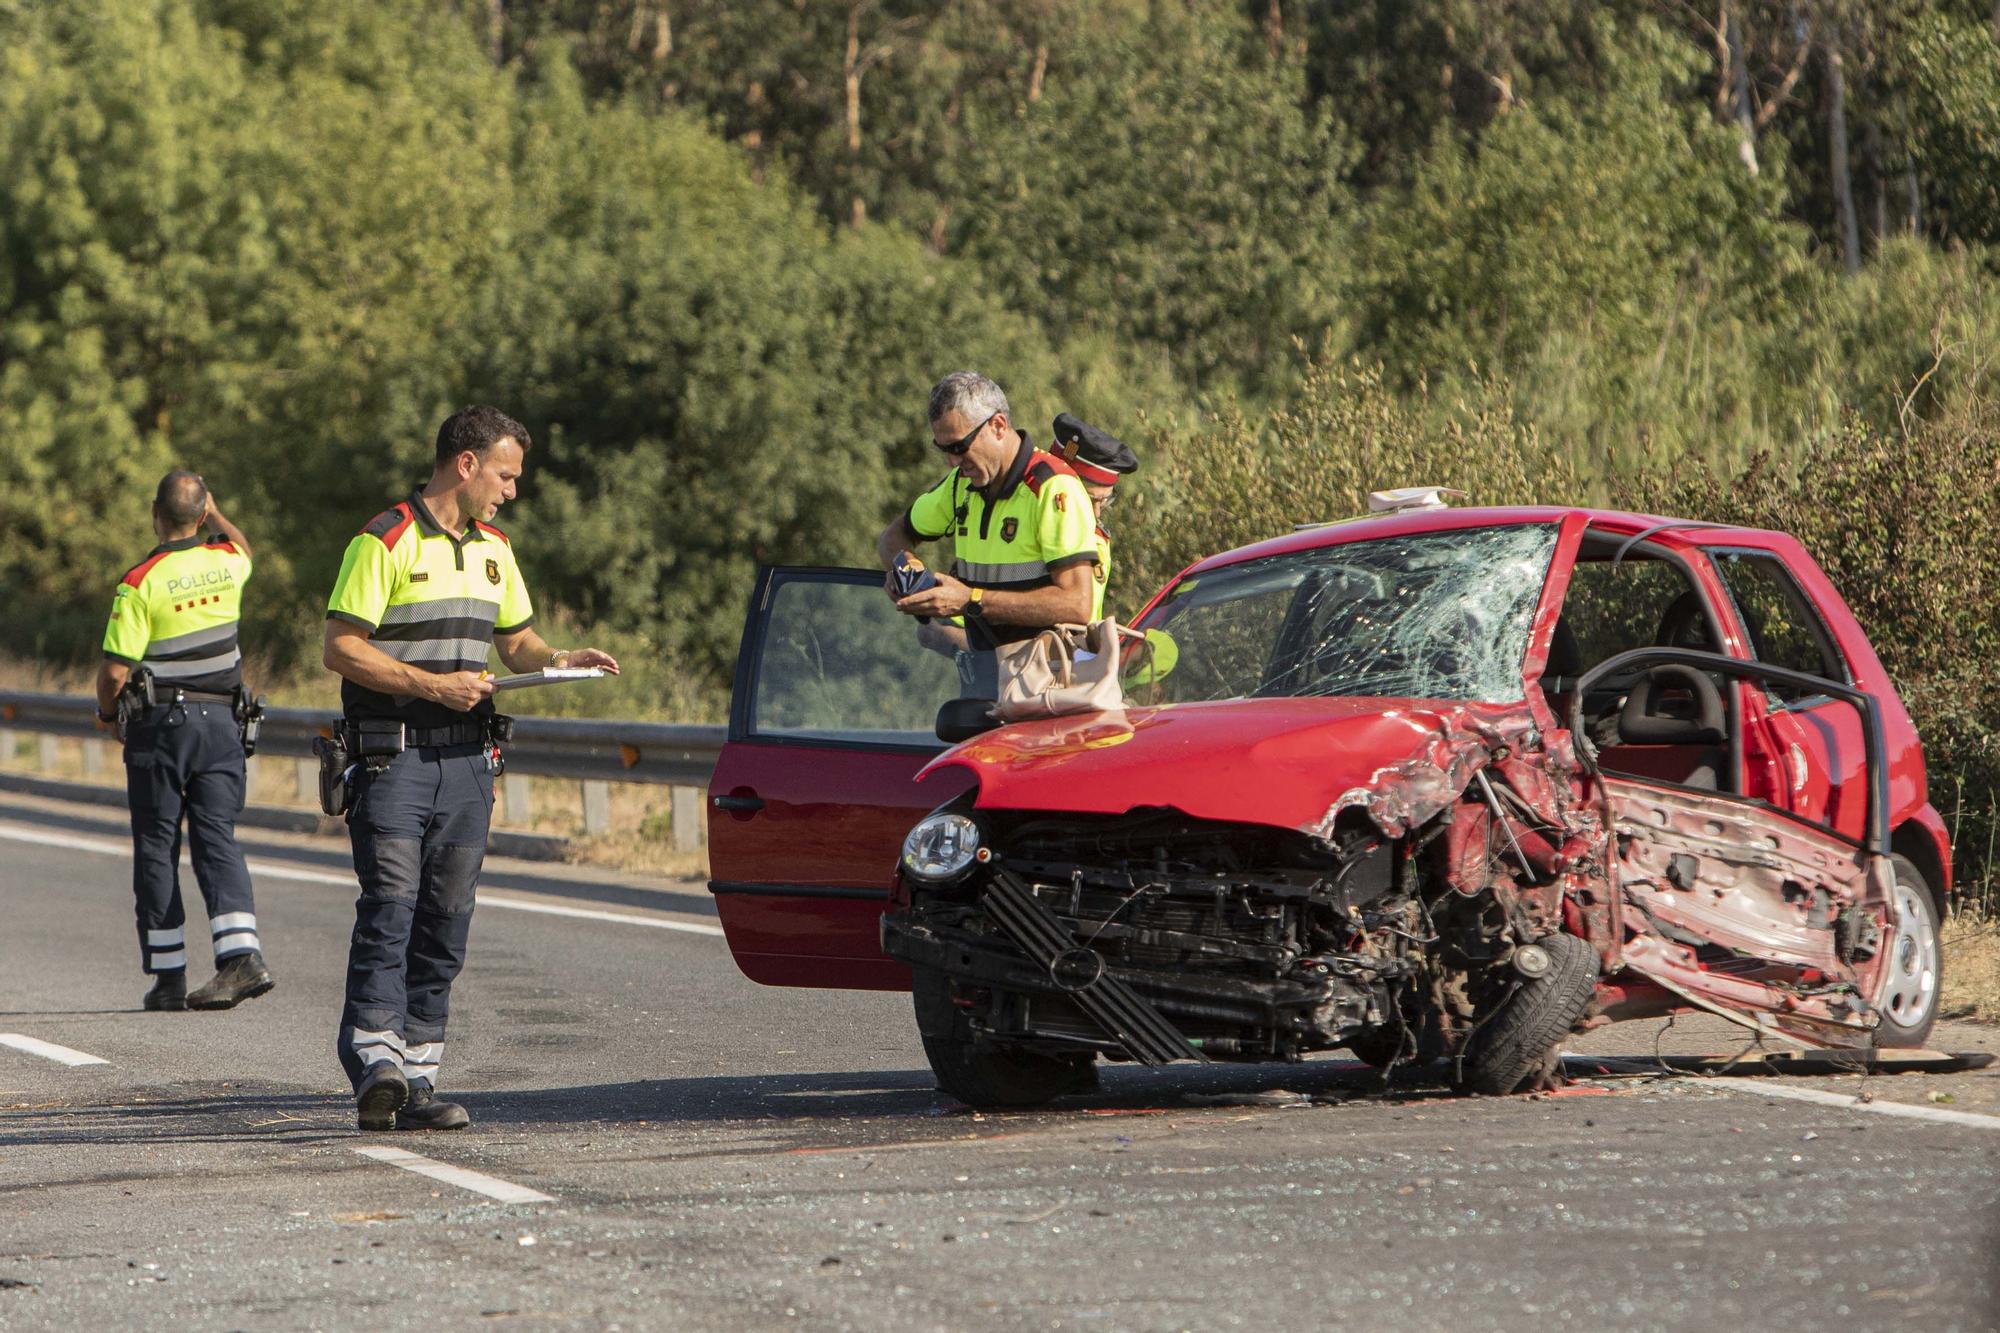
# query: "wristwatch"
[[973, 606]]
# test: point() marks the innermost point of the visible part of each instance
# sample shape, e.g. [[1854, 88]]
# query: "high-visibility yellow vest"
[[175, 614], [428, 598], [1036, 522]]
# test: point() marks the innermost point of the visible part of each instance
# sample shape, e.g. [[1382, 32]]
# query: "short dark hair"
[[478, 429], [182, 498]]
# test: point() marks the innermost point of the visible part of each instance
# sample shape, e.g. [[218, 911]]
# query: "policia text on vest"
[[426, 589], [172, 679], [1024, 543]]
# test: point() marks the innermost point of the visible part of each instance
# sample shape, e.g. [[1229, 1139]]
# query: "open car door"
[[831, 716], [1778, 921]]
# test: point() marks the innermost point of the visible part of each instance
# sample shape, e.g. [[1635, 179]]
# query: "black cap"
[[1083, 445]]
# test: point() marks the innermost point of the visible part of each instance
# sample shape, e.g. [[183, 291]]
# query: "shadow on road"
[[855, 1103]]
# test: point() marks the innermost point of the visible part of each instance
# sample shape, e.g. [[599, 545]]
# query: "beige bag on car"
[[1042, 676]]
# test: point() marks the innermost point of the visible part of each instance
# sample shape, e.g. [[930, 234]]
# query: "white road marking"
[[1764, 1088], [477, 1181], [275, 870], [48, 1050]]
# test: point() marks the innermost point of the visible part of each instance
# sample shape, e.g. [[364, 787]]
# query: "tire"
[[1912, 982], [987, 1074], [1517, 1046]]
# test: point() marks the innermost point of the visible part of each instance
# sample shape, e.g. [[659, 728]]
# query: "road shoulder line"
[[1938, 1114], [463, 1177], [48, 1050]]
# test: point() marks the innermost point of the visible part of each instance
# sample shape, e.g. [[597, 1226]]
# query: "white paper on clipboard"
[[546, 676]]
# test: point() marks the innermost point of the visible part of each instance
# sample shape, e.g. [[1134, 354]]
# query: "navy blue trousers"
[[419, 834], [185, 763]]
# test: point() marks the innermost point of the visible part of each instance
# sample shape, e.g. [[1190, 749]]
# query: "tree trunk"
[[1878, 178], [1274, 27], [1039, 72], [851, 77], [1837, 164], [496, 31], [1736, 86]]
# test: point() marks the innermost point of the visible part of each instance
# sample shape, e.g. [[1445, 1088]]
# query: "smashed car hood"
[[1293, 763]]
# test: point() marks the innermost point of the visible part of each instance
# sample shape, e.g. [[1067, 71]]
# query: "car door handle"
[[745, 804]]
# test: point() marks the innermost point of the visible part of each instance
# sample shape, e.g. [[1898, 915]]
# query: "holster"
[[249, 711], [336, 786]]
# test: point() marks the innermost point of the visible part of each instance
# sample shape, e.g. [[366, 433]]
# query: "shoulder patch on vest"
[[490, 530], [390, 525], [1043, 466], [221, 544], [137, 574]]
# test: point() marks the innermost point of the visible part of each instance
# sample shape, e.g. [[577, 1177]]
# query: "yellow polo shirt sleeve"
[[369, 575], [1065, 525], [516, 611], [934, 512], [130, 628]]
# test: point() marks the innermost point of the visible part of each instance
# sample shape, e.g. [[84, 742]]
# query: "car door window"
[[1784, 630], [838, 663]]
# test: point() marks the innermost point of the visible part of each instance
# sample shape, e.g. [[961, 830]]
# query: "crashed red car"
[[1439, 785]]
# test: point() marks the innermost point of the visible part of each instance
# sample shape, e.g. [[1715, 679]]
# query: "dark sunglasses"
[[963, 442]]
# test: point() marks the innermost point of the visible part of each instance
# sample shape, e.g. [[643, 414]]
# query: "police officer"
[[1020, 523], [173, 620], [425, 589], [1100, 459]]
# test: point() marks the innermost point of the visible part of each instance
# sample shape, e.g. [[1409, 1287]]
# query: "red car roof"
[[1410, 522]]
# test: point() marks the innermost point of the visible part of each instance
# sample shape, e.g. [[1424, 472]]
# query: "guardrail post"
[[250, 771], [305, 780], [7, 743], [596, 807], [520, 799], [93, 759], [688, 813], [46, 753]]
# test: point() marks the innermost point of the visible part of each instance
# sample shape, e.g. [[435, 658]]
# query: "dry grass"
[[1972, 969]]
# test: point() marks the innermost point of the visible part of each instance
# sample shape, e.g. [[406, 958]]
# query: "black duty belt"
[[477, 731], [206, 697]]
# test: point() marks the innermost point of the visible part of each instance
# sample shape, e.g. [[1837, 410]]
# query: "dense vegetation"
[[1729, 259]]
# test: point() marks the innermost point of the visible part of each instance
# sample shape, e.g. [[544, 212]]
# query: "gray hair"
[[969, 393]]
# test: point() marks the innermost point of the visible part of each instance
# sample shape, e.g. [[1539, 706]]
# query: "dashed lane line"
[[276, 870], [48, 1050], [1938, 1114], [506, 1191]]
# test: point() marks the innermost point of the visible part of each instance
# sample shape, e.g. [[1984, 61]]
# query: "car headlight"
[[941, 848]]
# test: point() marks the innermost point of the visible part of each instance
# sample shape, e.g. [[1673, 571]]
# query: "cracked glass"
[[1441, 615]]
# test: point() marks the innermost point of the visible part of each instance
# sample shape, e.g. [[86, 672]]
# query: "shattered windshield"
[[1441, 615]]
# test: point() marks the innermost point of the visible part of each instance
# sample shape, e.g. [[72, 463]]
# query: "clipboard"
[[546, 676]]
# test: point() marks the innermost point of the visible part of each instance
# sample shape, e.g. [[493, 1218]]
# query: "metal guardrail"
[[594, 753], [551, 747]]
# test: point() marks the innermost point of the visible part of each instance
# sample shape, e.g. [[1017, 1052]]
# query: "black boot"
[[170, 990], [425, 1111], [241, 978], [381, 1094]]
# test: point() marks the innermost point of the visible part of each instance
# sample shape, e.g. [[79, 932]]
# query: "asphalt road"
[[717, 1154]]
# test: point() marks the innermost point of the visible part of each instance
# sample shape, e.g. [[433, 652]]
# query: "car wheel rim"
[[1912, 987]]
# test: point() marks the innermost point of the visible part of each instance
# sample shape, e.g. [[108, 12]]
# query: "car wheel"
[[989, 1074], [1914, 974], [1517, 1046]]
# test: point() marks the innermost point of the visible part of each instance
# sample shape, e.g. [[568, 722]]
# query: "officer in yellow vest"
[[1020, 523], [1100, 459], [170, 651], [425, 590]]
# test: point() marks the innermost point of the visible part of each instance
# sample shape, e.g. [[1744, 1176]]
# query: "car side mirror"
[[962, 719]]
